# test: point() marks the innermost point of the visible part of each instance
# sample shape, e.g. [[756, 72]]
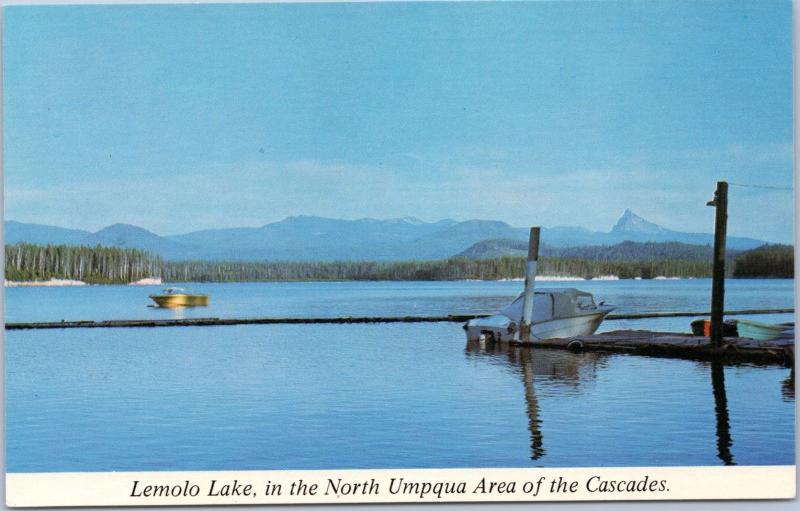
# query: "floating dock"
[[678, 345]]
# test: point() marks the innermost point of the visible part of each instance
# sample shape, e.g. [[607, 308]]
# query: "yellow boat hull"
[[180, 300]]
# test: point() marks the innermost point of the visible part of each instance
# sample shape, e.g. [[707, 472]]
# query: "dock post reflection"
[[724, 441], [532, 404], [555, 366], [787, 387], [520, 356]]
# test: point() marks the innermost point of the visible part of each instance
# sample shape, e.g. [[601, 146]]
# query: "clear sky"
[[183, 117]]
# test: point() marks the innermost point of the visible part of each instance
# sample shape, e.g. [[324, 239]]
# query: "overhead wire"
[[767, 187]]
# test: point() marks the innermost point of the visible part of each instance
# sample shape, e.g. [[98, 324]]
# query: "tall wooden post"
[[718, 277], [530, 279]]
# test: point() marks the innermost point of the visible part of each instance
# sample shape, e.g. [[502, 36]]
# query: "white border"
[[375, 486]]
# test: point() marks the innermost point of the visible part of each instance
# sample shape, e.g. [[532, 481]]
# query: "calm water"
[[373, 396], [325, 299]]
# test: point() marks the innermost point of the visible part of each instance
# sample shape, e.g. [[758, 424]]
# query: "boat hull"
[[572, 326], [180, 300], [759, 331], [567, 327]]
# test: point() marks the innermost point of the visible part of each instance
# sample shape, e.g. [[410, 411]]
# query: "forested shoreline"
[[94, 265], [111, 265], [770, 260]]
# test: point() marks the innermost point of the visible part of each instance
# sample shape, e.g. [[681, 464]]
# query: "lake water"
[[375, 395], [331, 299]]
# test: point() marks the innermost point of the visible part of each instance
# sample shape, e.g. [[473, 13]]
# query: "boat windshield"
[[174, 290]]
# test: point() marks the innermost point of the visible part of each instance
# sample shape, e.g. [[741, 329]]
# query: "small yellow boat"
[[177, 297]]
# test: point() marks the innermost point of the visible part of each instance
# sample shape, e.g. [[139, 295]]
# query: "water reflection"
[[546, 367], [724, 441], [787, 387], [177, 312], [532, 406], [554, 365]]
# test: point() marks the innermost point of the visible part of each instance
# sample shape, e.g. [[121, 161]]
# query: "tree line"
[[445, 269], [97, 265], [766, 261], [638, 251], [121, 265], [622, 251]]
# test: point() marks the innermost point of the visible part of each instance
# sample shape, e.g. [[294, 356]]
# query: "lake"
[[375, 395]]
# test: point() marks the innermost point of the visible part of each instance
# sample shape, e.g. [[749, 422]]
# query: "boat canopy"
[[552, 303]]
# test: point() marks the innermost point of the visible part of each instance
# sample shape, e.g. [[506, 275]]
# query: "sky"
[[185, 117]]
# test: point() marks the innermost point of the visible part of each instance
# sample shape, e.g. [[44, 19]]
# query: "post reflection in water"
[[534, 423], [567, 368], [724, 441], [555, 365], [787, 387]]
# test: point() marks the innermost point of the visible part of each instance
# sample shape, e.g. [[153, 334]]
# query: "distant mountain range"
[[311, 238]]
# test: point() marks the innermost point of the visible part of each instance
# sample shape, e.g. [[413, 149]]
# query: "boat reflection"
[[556, 366], [177, 312]]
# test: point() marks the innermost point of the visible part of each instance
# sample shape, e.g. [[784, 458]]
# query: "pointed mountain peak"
[[631, 222], [629, 216]]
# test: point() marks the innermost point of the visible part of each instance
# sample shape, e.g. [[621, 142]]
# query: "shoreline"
[[72, 282], [44, 283], [158, 282]]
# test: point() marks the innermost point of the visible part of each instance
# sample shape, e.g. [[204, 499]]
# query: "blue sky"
[[182, 117]]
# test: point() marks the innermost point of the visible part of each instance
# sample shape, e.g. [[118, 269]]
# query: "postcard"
[[398, 252]]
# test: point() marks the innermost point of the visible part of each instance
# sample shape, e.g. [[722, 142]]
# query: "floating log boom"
[[453, 318]]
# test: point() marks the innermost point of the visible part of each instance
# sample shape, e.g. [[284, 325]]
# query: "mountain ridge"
[[314, 238]]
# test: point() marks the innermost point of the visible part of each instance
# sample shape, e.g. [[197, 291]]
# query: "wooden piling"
[[720, 202], [530, 280]]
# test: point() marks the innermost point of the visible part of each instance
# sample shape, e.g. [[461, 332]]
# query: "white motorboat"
[[556, 313]]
